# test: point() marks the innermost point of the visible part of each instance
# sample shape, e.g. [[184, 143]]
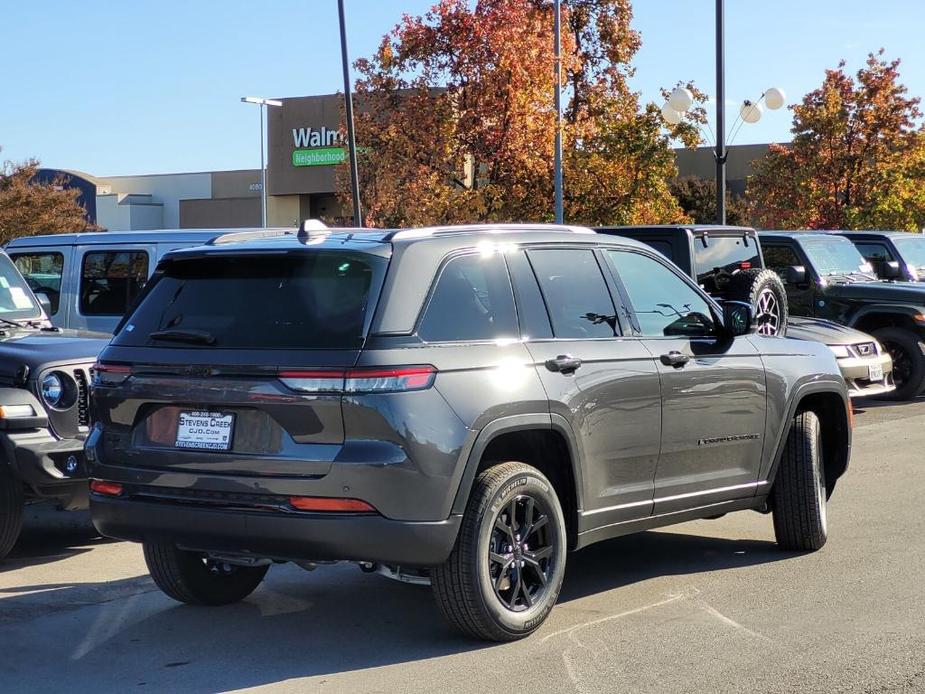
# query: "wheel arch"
[[870, 318], [540, 440], [833, 408]]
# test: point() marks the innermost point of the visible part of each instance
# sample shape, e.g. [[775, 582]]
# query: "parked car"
[[461, 405], [91, 279], [826, 277], [893, 255], [727, 262], [44, 407]]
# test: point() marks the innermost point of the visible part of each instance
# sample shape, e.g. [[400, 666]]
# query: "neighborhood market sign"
[[317, 147]]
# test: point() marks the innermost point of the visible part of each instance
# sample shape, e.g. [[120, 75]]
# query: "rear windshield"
[[721, 257], [318, 300]]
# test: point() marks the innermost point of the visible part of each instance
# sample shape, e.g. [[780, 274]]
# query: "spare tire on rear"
[[764, 290]]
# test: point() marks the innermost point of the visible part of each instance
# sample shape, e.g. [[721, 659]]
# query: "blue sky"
[[153, 86]]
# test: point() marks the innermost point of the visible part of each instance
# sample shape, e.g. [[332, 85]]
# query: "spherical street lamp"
[[680, 99], [775, 98], [671, 116], [750, 112]]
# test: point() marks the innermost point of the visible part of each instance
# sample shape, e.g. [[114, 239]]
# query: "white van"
[[91, 279]]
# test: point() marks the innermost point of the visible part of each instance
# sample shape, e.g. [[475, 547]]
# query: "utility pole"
[[351, 135], [720, 115], [557, 164]]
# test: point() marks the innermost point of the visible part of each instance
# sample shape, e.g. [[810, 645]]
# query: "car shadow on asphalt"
[[336, 619], [50, 535]]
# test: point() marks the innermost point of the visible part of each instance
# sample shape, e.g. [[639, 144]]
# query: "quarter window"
[[575, 292], [472, 300], [665, 305], [779, 258], [110, 281], [43, 274], [721, 257]]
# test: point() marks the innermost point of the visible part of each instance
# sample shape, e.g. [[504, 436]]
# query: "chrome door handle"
[[563, 364], [675, 359]]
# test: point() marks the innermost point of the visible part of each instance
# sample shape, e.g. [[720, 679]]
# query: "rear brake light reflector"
[[106, 488], [109, 374], [330, 505], [366, 380]]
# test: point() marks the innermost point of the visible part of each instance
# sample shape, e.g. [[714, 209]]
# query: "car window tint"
[[721, 257], [575, 292], [43, 273], [779, 258], [110, 281], [472, 300], [662, 247], [316, 300], [664, 303], [531, 310]]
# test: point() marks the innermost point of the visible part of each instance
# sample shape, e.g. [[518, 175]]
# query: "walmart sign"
[[317, 147]]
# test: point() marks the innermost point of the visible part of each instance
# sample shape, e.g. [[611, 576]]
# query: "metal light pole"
[[351, 135], [263, 168], [557, 165], [720, 115]]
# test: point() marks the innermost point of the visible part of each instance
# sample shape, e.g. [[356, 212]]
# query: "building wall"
[[701, 162], [167, 189], [220, 213]]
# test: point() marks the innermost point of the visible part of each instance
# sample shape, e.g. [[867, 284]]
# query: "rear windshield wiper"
[[197, 337]]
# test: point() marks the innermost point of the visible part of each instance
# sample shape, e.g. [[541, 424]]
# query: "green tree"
[[28, 207], [697, 197], [856, 161]]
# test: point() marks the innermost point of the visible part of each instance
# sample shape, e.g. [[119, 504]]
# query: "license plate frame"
[[875, 372], [208, 430]]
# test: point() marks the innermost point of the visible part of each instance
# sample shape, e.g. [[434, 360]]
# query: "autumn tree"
[[697, 197], [28, 207], [456, 119], [857, 159]]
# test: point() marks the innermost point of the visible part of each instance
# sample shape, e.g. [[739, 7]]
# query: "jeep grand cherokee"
[[464, 403]]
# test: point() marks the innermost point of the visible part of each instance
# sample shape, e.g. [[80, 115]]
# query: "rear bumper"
[[295, 536]]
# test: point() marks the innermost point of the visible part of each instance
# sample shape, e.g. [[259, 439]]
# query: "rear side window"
[[43, 273], [779, 258], [472, 300], [575, 292], [874, 252], [318, 300], [721, 257], [110, 281]]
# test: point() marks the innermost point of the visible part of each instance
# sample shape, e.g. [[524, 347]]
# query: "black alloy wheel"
[[522, 553], [907, 351]]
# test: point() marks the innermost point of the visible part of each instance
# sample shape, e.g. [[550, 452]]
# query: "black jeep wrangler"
[[44, 406], [827, 277]]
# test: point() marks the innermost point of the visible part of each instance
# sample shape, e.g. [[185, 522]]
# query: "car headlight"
[[52, 389], [840, 351]]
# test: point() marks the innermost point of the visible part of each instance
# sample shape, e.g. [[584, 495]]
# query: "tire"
[[11, 508], [799, 503], [480, 589], [764, 290], [189, 577], [908, 353]]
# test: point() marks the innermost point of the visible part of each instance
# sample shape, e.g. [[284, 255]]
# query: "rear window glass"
[[472, 300], [110, 281], [319, 300], [43, 273], [721, 257]]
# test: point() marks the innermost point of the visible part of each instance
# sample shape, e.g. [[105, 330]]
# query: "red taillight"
[[109, 374], [106, 488], [330, 505], [368, 380], [745, 265]]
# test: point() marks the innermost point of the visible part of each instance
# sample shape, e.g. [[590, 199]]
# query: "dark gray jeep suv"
[[454, 405]]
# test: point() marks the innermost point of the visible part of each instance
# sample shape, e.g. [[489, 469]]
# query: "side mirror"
[[889, 270], [738, 318], [44, 302], [795, 274]]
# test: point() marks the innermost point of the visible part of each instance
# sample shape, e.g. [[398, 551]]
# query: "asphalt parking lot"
[[706, 606]]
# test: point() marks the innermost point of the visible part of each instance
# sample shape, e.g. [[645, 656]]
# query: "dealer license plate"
[[210, 431], [876, 372]]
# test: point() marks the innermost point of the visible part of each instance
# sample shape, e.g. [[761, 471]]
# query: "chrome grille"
[[83, 398]]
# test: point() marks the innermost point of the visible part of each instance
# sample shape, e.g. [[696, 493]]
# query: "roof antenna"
[[310, 225]]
